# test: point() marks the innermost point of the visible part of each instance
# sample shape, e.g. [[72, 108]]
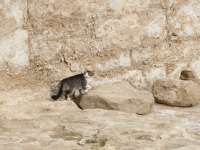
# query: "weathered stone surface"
[[29, 120], [176, 92], [184, 19], [195, 65], [103, 34], [13, 38], [118, 96], [142, 39], [156, 38], [114, 37]]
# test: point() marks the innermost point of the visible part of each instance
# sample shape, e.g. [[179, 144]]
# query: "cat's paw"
[[68, 99], [89, 87]]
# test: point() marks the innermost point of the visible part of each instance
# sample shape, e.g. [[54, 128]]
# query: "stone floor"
[[29, 120]]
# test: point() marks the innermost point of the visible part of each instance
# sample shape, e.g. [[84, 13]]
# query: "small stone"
[[187, 75]]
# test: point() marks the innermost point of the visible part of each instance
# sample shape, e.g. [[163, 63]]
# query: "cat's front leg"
[[83, 91], [88, 87]]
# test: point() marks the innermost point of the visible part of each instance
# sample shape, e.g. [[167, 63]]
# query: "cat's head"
[[88, 73]]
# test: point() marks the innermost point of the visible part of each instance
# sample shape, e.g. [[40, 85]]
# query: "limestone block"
[[119, 96], [13, 38]]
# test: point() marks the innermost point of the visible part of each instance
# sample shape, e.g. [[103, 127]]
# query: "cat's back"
[[73, 80]]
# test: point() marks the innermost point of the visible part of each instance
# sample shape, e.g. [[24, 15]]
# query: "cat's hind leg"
[[72, 94], [67, 95]]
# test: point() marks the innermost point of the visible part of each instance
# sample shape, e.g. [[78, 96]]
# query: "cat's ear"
[[85, 72], [90, 73]]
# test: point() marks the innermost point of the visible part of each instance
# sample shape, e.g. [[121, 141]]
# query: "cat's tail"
[[59, 93]]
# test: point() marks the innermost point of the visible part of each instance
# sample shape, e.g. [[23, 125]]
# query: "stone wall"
[[141, 40]]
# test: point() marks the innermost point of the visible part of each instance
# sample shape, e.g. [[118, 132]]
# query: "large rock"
[[176, 92], [118, 96]]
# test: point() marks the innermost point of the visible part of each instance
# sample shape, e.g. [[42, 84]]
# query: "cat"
[[73, 86]]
